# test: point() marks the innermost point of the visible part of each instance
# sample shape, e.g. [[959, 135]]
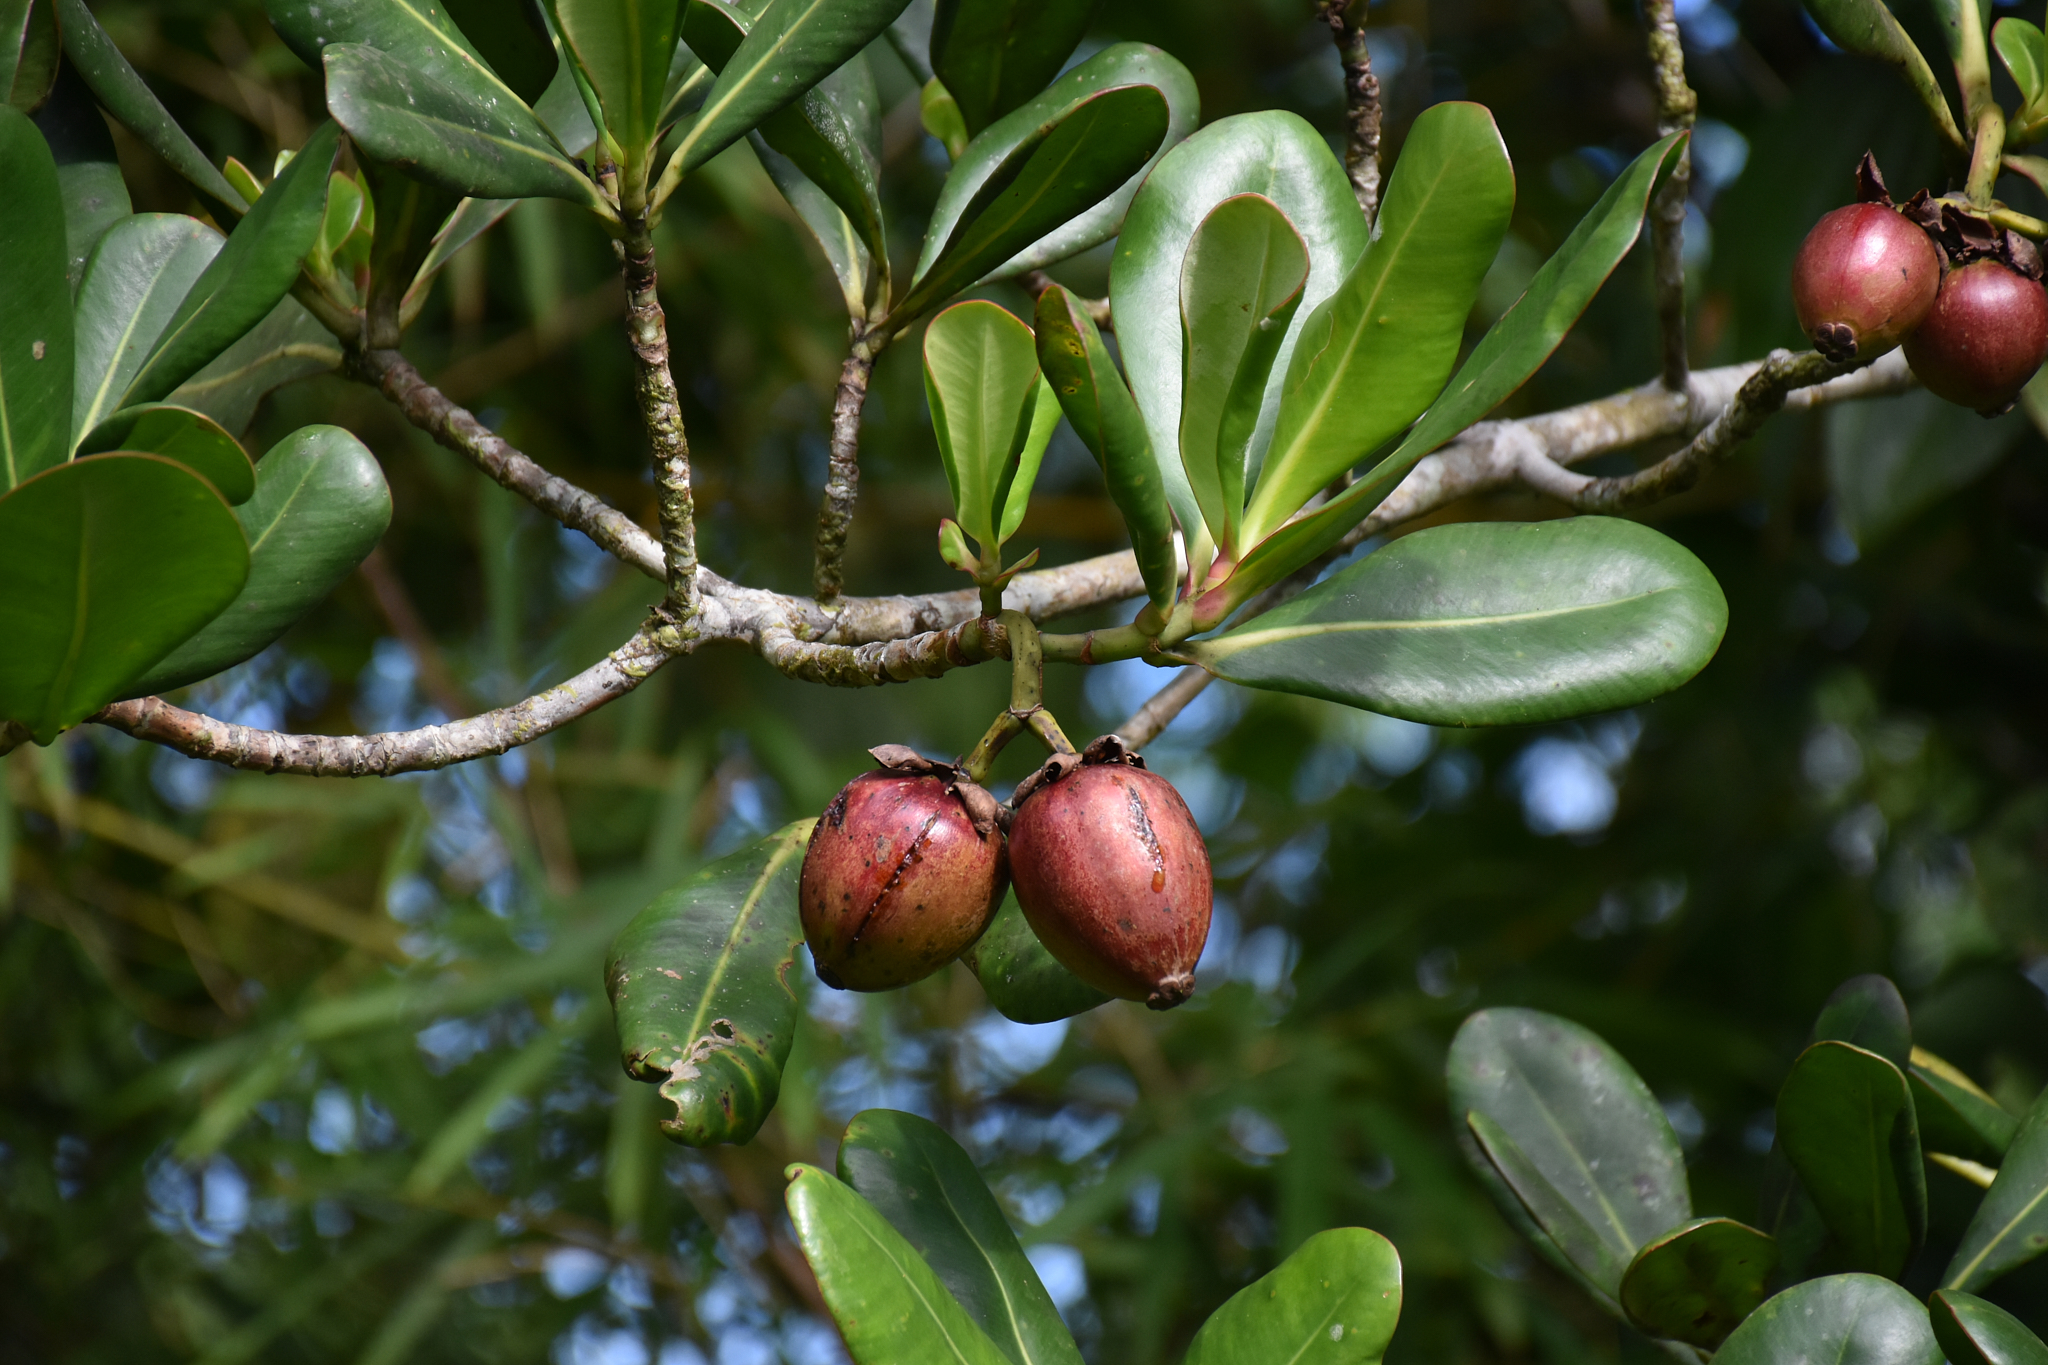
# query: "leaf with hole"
[[1334, 1301], [1841, 1319], [981, 379], [1698, 1281], [1972, 1331], [36, 343], [993, 55], [1023, 980], [1846, 1123], [191, 438], [2010, 1226], [29, 48]]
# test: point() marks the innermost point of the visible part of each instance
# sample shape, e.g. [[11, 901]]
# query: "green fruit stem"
[[1026, 710], [1987, 157]]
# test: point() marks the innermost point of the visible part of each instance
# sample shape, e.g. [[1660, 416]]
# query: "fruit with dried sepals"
[[1863, 280], [1112, 873], [903, 872], [1984, 338]]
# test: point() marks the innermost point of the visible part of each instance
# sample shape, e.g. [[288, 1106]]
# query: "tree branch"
[[842, 476], [1361, 103], [1676, 106], [1168, 702], [662, 412]]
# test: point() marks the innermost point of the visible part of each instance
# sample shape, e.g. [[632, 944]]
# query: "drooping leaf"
[[1955, 1114], [1239, 287], [1489, 623], [320, 506], [88, 170], [917, 1178], [29, 48], [1104, 415], [2025, 54], [2010, 1226], [1972, 1331], [994, 55], [109, 562], [1845, 1122], [1023, 980], [136, 277], [1274, 154], [700, 990], [1335, 1301], [623, 48], [36, 345], [1377, 352], [1587, 1127], [890, 1307], [1868, 27], [1698, 1281], [191, 438], [1841, 1319], [981, 379], [1889, 459]]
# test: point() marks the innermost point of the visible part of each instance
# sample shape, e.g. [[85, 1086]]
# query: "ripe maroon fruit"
[[1112, 873], [1864, 278], [1984, 338], [903, 872]]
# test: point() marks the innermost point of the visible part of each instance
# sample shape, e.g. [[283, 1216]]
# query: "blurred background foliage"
[[294, 1070]]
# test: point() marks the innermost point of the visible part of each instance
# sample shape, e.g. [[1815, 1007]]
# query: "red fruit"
[[1864, 278], [1984, 338], [903, 872], [1112, 873]]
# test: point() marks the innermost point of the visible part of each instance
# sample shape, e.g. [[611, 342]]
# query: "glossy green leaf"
[[1846, 1123], [1103, 414], [1869, 1012], [1972, 1331], [1023, 980], [1955, 1114], [1841, 1319], [1376, 353], [1240, 285], [1545, 1214], [290, 344], [1489, 623], [36, 346], [419, 34], [2010, 1226], [994, 55], [1868, 27], [919, 1179], [623, 48], [1275, 154], [1698, 1281], [941, 118], [981, 379], [448, 136], [890, 1307], [700, 990], [29, 48], [1588, 1128], [689, 78], [88, 170], [109, 562], [1333, 1302], [191, 438], [1013, 497], [319, 507], [2025, 54], [244, 281], [134, 281]]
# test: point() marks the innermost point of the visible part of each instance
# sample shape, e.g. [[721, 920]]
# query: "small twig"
[[842, 475], [662, 413], [1168, 702], [1361, 103], [1676, 107]]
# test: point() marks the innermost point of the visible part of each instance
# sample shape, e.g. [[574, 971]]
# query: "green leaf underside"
[[1240, 285], [1841, 1319], [1013, 495], [418, 33], [191, 438], [1278, 155], [1021, 978], [1698, 1281], [110, 562], [320, 505], [1956, 1116], [980, 377], [1488, 623], [995, 56], [289, 344], [1599, 1168], [2010, 1226], [623, 48], [890, 1307], [1868, 27], [920, 1180], [1377, 352], [36, 344], [445, 136], [1104, 415], [1845, 1122], [700, 990], [29, 48], [1335, 1301], [2019, 46], [1973, 1332], [134, 281]]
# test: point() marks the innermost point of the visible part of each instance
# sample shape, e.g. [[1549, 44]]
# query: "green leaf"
[[941, 118], [1587, 1128], [845, 252], [1542, 1212], [448, 136], [1489, 623], [88, 170], [1974, 1332], [290, 344], [1104, 415], [1013, 497], [917, 1177], [1697, 1282], [109, 562], [1055, 176], [993, 55], [1375, 354], [1846, 1123], [623, 48], [1021, 978], [1869, 1012], [1239, 287], [890, 1307], [700, 991], [191, 438], [1889, 459], [134, 281], [29, 47], [36, 344], [419, 34], [1842, 1319], [248, 276], [1867, 27], [2010, 1227], [981, 379], [1955, 1114], [319, 507], [1333, 1302], [117, 86], [1275, 154], [2025, 54]]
